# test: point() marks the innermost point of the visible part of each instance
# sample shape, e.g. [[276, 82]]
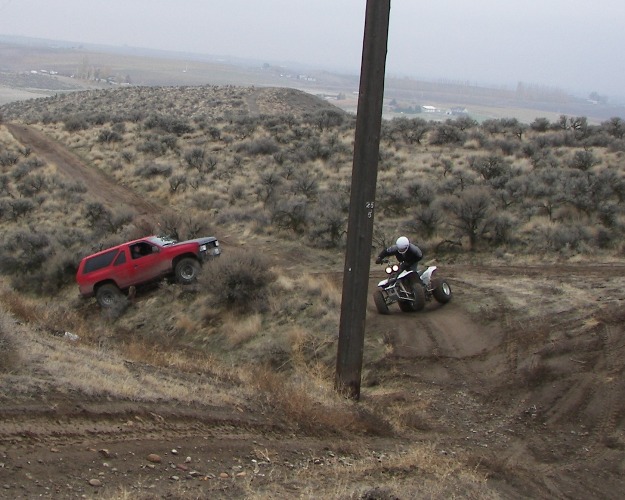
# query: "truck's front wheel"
[[187, 270]]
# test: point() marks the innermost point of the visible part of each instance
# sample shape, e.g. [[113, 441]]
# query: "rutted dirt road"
[[522, 373]]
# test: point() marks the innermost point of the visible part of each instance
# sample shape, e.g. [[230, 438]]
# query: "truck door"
[[145, 262]]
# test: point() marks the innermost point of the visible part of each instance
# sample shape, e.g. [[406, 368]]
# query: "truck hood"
[[200, 241]]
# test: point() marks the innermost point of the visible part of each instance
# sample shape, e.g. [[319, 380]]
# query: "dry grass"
[[240, 329], [9, 355], [50, 362]]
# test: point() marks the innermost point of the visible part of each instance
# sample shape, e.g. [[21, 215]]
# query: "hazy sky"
[[571, 44]]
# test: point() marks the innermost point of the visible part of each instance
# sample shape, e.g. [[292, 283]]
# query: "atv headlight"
[[202, 248], [389, 270], [395, 268]]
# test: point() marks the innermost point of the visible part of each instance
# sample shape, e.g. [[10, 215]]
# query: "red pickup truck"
[[107, 274]]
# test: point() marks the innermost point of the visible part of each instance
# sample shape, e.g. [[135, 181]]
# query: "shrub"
[[8, 158], [569, 237], [584, 160], [59, 271], [394, 201], [169, 124], [446, 133], [262, 146], [26, 167], [100, 217], [540, 125], [128, 156], [411, 131], [291, 214], [107, 136], [426, 220], [470, 211], [21, 207], [177, 183], [328, 222], [23, 252], [195, 158], [152, 146], [305, 183], [501, 228], [94, 212], [239, 280], [31, 185], [9, 355], [75, 124], [268, 187], [489, 167], [153, 170], [325, 119], [5, 185], [420, 193]]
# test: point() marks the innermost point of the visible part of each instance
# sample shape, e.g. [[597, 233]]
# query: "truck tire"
[[187, 270], [108, 295]]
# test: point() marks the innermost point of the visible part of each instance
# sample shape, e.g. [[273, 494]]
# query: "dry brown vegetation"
[[252, 345]]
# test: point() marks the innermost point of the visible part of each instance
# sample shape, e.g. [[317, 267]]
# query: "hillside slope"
[[515, 389]]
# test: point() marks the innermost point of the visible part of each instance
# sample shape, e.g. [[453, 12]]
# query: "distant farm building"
[[458, 111]]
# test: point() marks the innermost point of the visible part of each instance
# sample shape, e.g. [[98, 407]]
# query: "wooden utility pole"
[[362, 201]]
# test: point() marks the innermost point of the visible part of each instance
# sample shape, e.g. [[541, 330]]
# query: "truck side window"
[[100, 261], [121, 258]]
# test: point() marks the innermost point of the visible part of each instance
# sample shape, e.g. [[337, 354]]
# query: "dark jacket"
[[409, 258]]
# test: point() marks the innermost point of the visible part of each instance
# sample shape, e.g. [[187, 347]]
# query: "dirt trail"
[[538, 396], [100, 187]]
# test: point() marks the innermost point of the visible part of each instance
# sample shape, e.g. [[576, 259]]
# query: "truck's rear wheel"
[[108, 295], [187, 270]]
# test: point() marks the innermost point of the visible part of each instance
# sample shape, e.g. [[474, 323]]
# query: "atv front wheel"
[[442, 292], [380, 303], [419, 296]]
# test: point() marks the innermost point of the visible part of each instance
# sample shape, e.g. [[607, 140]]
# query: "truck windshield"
[[162, 241]]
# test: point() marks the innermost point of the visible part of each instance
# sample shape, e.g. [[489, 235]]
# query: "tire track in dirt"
[[99, 186], [613, 392], [442, 335], [114, 421]]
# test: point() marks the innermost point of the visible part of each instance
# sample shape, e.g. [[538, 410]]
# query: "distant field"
[[111, 66], [8, 94]]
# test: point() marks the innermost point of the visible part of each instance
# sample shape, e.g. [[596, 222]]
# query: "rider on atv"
[[408, 254]]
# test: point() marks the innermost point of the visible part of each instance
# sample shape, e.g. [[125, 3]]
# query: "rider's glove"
[[378, 260]]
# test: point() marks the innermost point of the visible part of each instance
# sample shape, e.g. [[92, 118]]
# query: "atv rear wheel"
[[380, 303], [442, 292]]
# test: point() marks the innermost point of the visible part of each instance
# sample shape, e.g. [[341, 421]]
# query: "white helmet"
[[402, 244]]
